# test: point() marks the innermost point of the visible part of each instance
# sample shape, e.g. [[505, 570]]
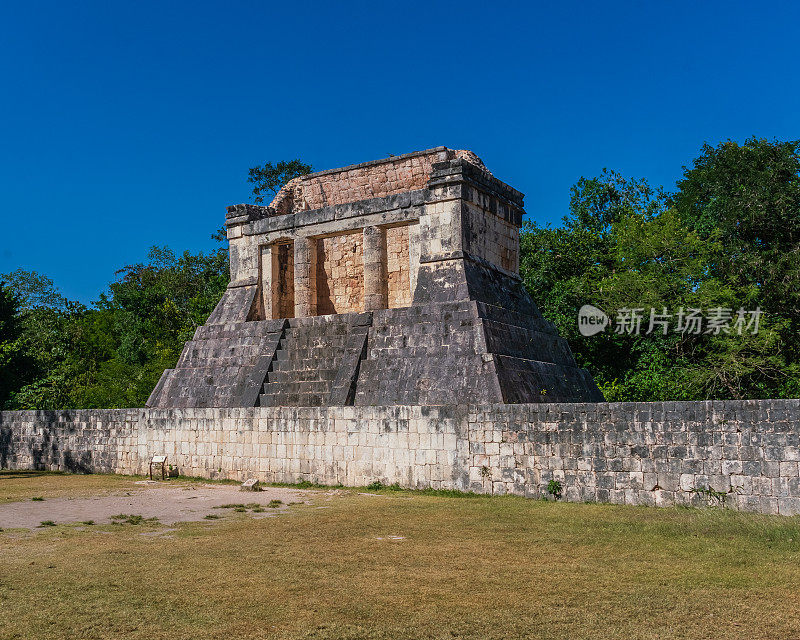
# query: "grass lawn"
[[23, 485], [403, 565]]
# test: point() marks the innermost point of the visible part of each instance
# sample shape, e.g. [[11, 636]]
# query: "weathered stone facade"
[[398, 268], [340, 274], [389, 282], [740, 454]]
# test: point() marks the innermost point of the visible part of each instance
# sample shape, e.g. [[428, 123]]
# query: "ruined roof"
[[374, 179]]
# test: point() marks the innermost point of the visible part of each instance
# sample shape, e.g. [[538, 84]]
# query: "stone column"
[[305, 277], [375, 279], [266, 269], [413, 256]]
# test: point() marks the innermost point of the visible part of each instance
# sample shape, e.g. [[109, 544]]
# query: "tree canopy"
[[268, 179], [726, 239], [13, 354], [112, 355]]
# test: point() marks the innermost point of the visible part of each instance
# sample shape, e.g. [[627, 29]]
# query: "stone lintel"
[[243, 282], [399, 203], [243, 213]]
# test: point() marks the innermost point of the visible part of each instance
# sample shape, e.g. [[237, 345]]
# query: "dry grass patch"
[[404, 565], [43, 485]]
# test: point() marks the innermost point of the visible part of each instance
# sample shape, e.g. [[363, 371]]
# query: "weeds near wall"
[[554, 488], [714, 497]]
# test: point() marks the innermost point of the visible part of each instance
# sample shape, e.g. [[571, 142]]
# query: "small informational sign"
[[159, 461]]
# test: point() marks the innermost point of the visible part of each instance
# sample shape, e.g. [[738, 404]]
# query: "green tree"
[[625, 245], [35, 290], [151, 310], [14, 362], [47, 321], [111, 355], [749, 194], [268, 180], [578, 262]]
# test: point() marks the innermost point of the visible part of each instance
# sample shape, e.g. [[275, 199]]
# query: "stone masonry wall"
[[377, 181], [367, 180], [444, 194], [340, 274], [741, 454], [661, 453], [491, 238], [398, 267]]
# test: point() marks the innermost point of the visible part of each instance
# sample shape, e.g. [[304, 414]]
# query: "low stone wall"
[[743, 454], [415, 446]]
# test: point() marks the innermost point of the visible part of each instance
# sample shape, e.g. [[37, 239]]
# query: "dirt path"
[[170, 503]]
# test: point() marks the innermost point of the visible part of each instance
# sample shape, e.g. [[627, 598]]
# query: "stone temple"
[[392, 282], [393, 287]]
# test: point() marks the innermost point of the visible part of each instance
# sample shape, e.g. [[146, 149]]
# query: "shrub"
[[554, 489]]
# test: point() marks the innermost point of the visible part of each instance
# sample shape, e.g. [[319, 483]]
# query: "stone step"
[[523, 342], [435, 328], [328, 322], [294, 375], [315, 342], [311, 357], [319, 355], [471, 340], [440, 352], [320, 347], [332, 330], [303, 386], [200, 354], [299, 364], [294, 400]]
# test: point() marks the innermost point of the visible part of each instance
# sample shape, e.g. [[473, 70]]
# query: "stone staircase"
[[317, 361], [222, 366]]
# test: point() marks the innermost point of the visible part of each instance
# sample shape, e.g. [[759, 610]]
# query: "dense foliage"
[[111, 355], [728, 237], [13, 355]]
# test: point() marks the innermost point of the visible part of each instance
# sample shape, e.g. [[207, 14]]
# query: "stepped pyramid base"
[[432, 354]]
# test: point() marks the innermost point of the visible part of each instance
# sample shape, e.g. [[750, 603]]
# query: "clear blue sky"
[[128, 124]]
